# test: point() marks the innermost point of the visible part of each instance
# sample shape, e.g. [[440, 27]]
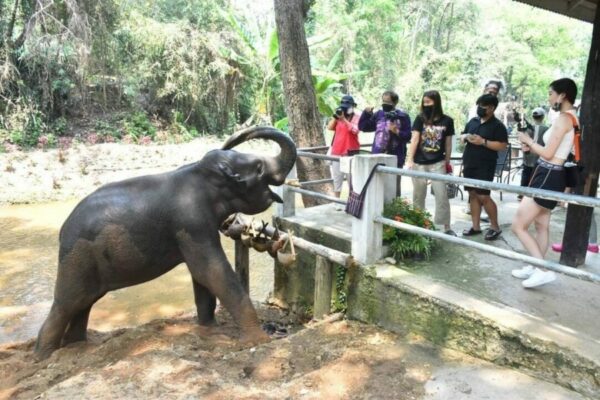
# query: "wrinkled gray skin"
[[132, 231]]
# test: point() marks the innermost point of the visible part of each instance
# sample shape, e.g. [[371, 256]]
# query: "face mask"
[[349, 111], [481, 111], [387, 107], [428, 111]]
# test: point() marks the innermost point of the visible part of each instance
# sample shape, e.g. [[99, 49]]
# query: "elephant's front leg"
[[206, 303], [209, 267]]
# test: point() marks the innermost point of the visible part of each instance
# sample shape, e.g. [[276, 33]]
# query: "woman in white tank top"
[[549, 174]]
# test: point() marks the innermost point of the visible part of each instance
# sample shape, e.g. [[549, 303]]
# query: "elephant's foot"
[[73, 337], [207, 322], [41, 353], [253, 337]]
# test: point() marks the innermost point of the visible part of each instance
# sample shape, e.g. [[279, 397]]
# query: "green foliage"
[[28, 130], [452, 46], [138, 125], [178, 128], [59, 126], [404, 244], [206, 66], [106, 129], [339, 301]]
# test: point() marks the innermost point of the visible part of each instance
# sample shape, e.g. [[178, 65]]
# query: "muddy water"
[[28, 261]]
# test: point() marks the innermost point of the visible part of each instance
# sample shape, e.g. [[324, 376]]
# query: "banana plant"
[[269, 97]]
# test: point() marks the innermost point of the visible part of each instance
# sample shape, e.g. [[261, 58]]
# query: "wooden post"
[[242, 269], [367, 236], [288, 208], [577, 227], [323, 287]]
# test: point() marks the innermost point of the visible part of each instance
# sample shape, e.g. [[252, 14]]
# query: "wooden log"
[[242, 261], [332, 255], [577, 226], [323, 282]]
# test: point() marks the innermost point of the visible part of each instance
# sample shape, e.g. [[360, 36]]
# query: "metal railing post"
[[366, 234]]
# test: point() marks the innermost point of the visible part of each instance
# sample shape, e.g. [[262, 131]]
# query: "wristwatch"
[[484, 142]]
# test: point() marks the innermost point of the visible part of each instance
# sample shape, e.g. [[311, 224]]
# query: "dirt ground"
[[173, 358]]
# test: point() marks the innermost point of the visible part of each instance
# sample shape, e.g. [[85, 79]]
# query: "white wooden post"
[[367, 236], [288, 208]]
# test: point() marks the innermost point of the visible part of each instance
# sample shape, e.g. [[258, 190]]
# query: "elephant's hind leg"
[[206, 303], [52, 331], [77, 289], [77, 330]]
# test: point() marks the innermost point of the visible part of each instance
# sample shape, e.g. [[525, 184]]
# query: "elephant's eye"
[[259, 169]]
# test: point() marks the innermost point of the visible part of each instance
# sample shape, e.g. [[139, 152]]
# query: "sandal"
[[471, 232], [492, 234]]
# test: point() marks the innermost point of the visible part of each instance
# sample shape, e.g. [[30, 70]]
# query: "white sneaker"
[[524, 272], [539, 278]]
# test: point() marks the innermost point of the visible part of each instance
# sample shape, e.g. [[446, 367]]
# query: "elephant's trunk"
[[280, 165]]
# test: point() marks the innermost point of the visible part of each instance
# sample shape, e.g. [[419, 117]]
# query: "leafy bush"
[[138, 125], [106, 129], [27, 133], [404, 244]]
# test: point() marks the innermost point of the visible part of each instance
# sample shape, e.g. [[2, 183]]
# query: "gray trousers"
[[442, 204]]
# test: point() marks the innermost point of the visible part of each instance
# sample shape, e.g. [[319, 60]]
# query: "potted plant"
[[404, 244]]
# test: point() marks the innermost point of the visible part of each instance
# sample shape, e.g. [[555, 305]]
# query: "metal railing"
[[369, 249]]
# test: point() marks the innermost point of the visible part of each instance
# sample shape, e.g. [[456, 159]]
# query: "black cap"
[[538, 112], [487, 100], [348, 101]]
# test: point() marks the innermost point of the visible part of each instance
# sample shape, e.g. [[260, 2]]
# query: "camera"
[[339, 111], [390, 115]]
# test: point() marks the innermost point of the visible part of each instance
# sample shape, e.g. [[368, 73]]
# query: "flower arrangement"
[[404, 244]]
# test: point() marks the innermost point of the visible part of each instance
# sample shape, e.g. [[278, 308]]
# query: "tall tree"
[[579, 219], [299, 93]]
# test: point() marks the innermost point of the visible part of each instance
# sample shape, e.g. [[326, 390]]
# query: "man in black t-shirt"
[[429, 151], [484, 136]]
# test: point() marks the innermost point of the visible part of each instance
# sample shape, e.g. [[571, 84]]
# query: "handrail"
[[527, 191], [504, 187], [566, 270], [316, 194]]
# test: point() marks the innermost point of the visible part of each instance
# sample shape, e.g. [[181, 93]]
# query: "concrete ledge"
[[403, 302]]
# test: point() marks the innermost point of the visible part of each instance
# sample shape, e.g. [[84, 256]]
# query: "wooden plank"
[[577, 227], [242, 264], [323, 282]]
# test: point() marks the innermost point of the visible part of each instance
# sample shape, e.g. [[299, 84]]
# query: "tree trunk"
[[299, 93], [577, 229]]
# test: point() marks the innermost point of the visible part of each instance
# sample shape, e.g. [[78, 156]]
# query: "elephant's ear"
[[228, 172]]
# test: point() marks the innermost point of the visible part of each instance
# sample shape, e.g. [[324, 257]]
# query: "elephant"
[[129, 232]]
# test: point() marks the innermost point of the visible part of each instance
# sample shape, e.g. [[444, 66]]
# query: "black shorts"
[[482, 172], [550, 177]]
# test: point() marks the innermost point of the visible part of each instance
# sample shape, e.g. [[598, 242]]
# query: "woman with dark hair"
[[429, 151], [549, 174]]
